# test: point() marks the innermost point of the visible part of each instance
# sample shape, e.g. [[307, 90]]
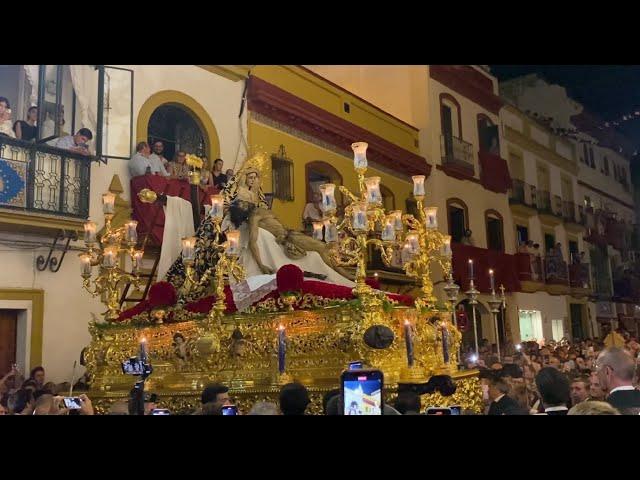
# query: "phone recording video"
[[456, 410], [439, 411], [133, 366], [229, 410], [362, 392], [72, 403], [160, 411]]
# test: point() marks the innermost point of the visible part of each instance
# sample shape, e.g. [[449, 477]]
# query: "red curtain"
[[505, 268], [494, 172], [150, 217]]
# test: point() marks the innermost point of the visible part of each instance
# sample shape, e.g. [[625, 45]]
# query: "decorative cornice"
[[232, 72], [541, 151], [469, 83], [27, 222], [281, 106]]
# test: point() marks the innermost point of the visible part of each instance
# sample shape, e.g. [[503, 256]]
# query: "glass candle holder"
[[413, 241], [360, 154], [89, 232], [397, 220], [446, 246], [85, 265], [108, 203], [418, 185], [110, 257], [431, 217], [233, 242], [373, 190], [317, 230], [131, 231], [188, 249], [137, 260], [327, 190], [217, 202], [359, 219], [388, 232], [330, 232]]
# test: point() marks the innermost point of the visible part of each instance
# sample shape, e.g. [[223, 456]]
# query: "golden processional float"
[[273, 343]]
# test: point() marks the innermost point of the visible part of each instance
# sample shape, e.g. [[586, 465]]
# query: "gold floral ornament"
[[196, 164]]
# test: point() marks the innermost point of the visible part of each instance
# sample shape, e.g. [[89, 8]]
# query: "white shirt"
[[66, 143], [6, 128], [139, 163], [162, 160], [310, 211], [622, 388], [555, 409]]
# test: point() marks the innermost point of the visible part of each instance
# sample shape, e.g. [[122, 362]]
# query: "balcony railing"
[[544, 201], [569, 212], [580, 275], [522, 193], [456, 153], [556, 207], [44, 179], [556, 271], [553, 271]]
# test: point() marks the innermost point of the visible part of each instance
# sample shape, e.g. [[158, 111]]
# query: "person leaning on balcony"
[[143, 162], [77, 143], [6, 128], [178, 168], [467, 238]]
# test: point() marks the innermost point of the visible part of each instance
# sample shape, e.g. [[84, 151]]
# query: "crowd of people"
[[582, 378]]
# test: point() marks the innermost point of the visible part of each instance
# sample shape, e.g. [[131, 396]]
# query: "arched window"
[[488, 138], [458, 217], [450, 116], [495, 231], [388, 198]]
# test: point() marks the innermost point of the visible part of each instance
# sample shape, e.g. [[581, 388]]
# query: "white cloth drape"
[[85, 84], [178, 224], [31, 72]]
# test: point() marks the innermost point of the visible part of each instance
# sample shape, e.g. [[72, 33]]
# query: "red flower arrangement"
[[289, 278], [162, 294]]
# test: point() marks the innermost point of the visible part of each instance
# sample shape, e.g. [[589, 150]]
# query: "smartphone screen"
[[362, 392], [355, 365], [160, 411], [439, 411], [229, 410], [456, 410], [133, 366], [72, 403]]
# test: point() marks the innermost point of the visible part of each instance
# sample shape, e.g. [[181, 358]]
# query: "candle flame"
[[490, 272], [406, 322], [280, 327], [470, 261], [143, 340]]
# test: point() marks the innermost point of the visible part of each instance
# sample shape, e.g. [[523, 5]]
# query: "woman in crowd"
[[178, 168], [26, 129]]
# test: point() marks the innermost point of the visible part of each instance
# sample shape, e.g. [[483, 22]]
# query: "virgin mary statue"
[[265, 243]]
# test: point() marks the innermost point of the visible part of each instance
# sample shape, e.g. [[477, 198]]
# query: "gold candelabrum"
[[227, 262], [108, 254]]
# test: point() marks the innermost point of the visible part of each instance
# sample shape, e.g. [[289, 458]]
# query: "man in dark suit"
[[501, 403], [616, 369], [554, 390]]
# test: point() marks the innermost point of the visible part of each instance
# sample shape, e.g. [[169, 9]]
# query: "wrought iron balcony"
[[43, 179], [580, 275], [569, 212], [544, 202], [457, 153]]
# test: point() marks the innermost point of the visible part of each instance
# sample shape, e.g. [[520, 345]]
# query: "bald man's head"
[[615, 367]]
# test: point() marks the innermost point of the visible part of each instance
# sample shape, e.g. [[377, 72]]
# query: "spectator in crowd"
[[21, 402], [265, 408], [553, 387], [11, 382], [5, 118], [216, 393], [328, 396], [312, 212], [294, 399], [616, 371], [593, 408], [158, 153], [408, 402], [37, 375], [142, 163], [211, 408], [554, 362], [78, 143], [523, 397], [579, 390], [178, 168], [501, 403], [229, 173], [27, 130], [219, 179]]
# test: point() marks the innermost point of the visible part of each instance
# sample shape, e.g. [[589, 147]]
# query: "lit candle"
[[282, 347], [143, 350], [445, 342], [233, 245], [108, 202], [330, 231], [413, 241], [446, 246], [406, 255], [188, 249], [137, 260], [327, 190], [388, 233], [470, 268], [397, 220], [373, 190], [89, 232], [408, 342], [130, 232], [431, 215], [85, 265], [418, 185], [317, 230], [359, 220], [110, 257], [360, 154], [207, 210], [217, 202], [492, 280]]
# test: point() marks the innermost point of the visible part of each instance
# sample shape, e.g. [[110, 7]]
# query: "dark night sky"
[[610, 91]]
